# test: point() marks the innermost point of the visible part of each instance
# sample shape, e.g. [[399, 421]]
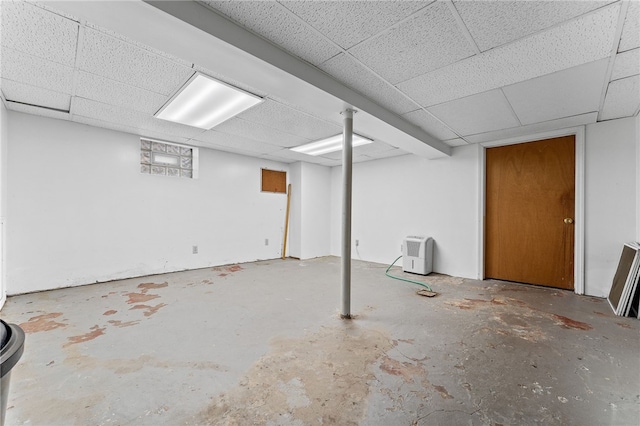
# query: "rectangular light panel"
[[331, 144], [204, 102]]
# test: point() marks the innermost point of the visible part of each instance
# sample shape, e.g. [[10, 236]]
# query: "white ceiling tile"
[[349, 71], [532, 129], [28, 69], [622, 99], [237, 142], [44, 112], [456, 142], [127, 117], [23, 93], [112, 92], [356, 158], [230, 81], [493, 23], [350, 22], [224, 148], [630, 38], [326, 162], [430, 124], [289, 120], [260, 132], [388, 154], [373, 148], [376, 147], [117, 60], [279, 159], [138, 44], [321, 161], [128, 129], [479, 113], [586, 39], [46, 5], [274, 22], [428, 41], [104, 112], [565, 93], [38, 32], [170, 128], [626, 64], [335, 155], [293, 155], [361, 158]]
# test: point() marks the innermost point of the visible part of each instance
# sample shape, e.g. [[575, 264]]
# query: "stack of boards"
[[624, 296]]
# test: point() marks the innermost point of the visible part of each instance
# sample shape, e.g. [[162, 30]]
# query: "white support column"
[[347, 157]]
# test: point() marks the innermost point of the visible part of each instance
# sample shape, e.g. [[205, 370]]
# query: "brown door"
[[530, 193]]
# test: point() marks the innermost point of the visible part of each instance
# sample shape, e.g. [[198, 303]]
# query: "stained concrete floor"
[[261, 343]]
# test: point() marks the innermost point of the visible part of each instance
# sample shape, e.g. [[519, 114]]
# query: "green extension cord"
[[404, 279]]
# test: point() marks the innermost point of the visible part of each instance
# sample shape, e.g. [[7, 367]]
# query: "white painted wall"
[[295, 213], [4, 138], [311, 210], [316, 213], [637, 177], [408, 195], [79, 210], [610, 199], [441, 198]]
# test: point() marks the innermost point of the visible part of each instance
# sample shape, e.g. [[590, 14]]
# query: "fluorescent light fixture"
[[325, 146], [204, 102]]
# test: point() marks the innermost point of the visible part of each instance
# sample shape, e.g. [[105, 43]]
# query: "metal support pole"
[[347, 157]]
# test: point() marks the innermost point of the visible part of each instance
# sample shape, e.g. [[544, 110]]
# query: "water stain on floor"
[[226, 270], [406, 370], [143, 295], [520, 311], [96, 331], [149, 310], [443, 392], [42, 323], [570, 323], [122, 324], [623, 325], [295, 383], [147, 286], [132, 365], [140, 297]]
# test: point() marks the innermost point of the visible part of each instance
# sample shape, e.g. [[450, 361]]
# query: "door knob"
[[568, 220]]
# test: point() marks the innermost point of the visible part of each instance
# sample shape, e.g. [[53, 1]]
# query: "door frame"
[[578, 248]]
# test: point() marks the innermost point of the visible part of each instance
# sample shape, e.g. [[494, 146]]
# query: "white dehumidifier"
[[417, 255]]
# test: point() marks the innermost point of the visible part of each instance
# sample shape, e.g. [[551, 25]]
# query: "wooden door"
[[530, 197]]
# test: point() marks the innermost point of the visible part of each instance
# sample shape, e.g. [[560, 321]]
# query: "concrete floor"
[[261, 343]]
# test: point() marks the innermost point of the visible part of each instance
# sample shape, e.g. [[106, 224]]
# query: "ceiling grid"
[[624, 7], [370, 83], [461, 71], [463, 27]]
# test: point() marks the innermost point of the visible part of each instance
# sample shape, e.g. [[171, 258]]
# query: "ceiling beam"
[[223, 29]]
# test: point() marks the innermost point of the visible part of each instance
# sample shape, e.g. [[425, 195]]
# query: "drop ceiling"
[[424, 76]]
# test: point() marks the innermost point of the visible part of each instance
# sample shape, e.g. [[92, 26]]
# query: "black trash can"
[[11, 348]]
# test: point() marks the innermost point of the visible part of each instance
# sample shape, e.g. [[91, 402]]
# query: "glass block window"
[[166, 159]]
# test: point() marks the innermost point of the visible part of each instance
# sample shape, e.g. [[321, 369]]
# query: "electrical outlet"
[[357, 243], [195, 249], [266, 241]]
